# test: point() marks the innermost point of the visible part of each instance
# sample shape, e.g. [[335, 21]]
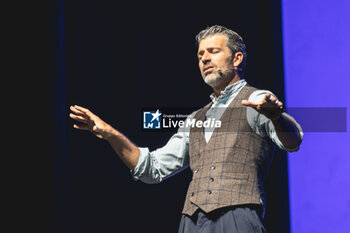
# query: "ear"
[[238, 58]]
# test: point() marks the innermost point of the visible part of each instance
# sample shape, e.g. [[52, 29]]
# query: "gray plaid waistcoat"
[[230, 169]]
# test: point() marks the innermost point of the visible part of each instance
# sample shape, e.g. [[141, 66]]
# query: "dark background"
[[116, 58]]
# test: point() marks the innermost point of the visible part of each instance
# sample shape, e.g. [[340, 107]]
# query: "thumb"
[[96, 129], [248, 103]]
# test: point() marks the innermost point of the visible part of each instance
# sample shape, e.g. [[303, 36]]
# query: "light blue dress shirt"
[[155, 166]]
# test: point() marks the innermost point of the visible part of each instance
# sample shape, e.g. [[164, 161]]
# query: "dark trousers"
[[242, 219]]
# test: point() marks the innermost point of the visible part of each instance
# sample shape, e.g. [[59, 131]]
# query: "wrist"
[[276, 118], [110, 133]]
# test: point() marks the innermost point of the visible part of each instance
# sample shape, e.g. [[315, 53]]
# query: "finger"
[[78, 118], [281, 106], [268, 97], [96, 129], [76, 111], [276, 102], [248, 103], [81, 127], [273, 99], [85, 110]]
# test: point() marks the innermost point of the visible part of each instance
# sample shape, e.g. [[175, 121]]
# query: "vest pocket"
[[237, 176], [231, 187]]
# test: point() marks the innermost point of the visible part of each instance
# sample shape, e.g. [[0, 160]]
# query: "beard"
[[212, 79], [218, 78]]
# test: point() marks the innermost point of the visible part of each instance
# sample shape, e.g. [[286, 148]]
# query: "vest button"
[[196, 170], [211, 179], [209, 192], [191, 194], [212, 167]]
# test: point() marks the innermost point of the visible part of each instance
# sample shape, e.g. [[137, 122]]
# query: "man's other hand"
[[269, 106]]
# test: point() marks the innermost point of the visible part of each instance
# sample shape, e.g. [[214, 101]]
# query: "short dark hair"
[[234, 42]]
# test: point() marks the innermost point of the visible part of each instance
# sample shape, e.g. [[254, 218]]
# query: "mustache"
[[219, 70], [208, 66]]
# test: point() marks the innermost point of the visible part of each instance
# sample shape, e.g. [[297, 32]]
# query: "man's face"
[[215, 60]]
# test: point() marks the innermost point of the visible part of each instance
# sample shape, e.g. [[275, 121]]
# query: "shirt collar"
[[229, 90]]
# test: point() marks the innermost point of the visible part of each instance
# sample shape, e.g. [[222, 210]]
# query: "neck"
[[219, 89]]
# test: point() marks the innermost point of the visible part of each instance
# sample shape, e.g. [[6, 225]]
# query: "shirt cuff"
[[140, 167]]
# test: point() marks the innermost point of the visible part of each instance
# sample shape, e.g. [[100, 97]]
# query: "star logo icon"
[[155, 115], [151, 119]]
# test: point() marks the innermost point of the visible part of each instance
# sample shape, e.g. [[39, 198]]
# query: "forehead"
[[217, 40]]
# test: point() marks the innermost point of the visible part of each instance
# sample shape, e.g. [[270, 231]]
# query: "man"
[[229, 163]]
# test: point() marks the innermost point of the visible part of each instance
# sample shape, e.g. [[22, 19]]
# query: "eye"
[[215, 50], [200, 55]]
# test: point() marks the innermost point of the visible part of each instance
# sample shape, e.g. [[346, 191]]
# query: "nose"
[[206, 58]]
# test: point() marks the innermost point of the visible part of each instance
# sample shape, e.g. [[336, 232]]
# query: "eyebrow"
[[209, 48]]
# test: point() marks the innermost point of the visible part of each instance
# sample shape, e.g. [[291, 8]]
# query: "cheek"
[[228, 62], [200, 66], [221, 60]]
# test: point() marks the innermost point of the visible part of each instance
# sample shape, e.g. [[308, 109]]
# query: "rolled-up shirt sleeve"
[[270, 129], [154, 167]]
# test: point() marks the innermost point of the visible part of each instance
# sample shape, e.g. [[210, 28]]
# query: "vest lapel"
[[201, 115]]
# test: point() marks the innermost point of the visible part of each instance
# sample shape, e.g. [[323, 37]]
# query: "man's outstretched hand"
[[127, 151], [90, 122], [269, 106]]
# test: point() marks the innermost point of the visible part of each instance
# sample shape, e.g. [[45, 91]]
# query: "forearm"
[[127, 151], [287, 131], [153, 167]]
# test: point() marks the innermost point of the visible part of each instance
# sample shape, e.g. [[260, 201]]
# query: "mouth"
[[208, 68]]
